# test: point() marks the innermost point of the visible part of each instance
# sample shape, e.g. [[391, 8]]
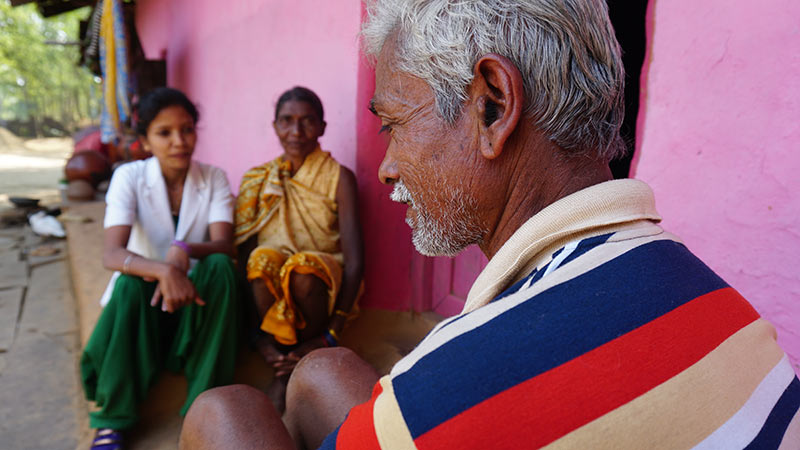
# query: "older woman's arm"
[[352, 245]]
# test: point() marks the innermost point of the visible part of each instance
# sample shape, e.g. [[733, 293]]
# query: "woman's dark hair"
[[301, 94], [159, 98]]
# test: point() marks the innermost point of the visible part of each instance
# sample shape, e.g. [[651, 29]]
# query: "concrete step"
[[380, 337]]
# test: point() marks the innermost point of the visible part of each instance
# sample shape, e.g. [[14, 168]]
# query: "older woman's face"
[[171, 138], [298, 127]]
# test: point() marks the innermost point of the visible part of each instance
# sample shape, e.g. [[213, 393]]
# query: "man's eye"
[[384, 129], [163, 133], [188, 130]]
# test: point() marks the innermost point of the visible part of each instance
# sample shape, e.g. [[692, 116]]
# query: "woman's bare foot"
[[277, 392], [268, 351]]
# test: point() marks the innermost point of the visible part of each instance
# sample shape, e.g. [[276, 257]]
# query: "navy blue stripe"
[[330, 440], [558, 325], [774, 428], [584, 246], [516, 286]]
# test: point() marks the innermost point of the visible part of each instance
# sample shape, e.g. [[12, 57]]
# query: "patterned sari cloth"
[[295, 219]]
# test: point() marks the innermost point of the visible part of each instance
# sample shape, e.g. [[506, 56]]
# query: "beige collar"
[[587, 212]]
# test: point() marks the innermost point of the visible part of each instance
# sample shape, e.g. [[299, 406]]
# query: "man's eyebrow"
[[372, 107]]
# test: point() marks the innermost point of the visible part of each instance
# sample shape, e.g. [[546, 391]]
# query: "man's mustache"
[[400, 194]]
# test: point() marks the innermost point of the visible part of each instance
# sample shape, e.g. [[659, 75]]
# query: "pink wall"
[[720, 144], [234, 59], [387, 238]]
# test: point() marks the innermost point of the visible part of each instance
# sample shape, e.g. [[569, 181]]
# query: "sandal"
[[107, 439]]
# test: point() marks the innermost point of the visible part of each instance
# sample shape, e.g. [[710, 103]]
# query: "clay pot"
[[80, 190], [91, 166]]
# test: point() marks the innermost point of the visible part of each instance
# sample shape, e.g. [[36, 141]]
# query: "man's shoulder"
[[610, 326]]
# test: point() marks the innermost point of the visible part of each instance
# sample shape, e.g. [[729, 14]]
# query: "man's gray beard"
[[457, 228]]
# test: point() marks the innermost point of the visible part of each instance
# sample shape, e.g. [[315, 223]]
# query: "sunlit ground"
[[31, 168]]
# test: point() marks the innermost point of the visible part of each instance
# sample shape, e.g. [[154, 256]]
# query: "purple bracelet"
[[183, 246]]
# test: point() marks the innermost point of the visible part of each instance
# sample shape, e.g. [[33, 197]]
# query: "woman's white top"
[[137, 197]]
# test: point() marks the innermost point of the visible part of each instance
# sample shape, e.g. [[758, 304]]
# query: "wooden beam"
[[49, 9]]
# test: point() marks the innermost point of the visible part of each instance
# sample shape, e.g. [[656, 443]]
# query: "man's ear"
[[498, 89]]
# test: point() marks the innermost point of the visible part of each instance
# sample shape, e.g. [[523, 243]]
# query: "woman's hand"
[[178, 258], [174, 290]]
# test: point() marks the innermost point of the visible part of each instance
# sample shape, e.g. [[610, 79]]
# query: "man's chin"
[[427, 246]]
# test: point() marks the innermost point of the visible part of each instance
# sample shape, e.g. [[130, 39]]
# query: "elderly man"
[[591, 327]]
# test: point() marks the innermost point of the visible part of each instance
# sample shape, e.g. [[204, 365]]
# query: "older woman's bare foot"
[[277, 392]]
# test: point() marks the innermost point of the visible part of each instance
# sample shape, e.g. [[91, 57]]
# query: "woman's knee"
[[219, 262], [304, 286], [130, 292]]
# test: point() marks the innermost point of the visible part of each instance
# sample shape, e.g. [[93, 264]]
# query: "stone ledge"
[[380, 337]]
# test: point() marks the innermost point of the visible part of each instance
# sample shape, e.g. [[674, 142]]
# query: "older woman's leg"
[[324, 387], [310, 295]]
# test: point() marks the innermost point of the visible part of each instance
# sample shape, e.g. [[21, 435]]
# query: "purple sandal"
[[107, 439]]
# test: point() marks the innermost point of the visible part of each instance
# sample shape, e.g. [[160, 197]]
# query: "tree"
[[40, 81]]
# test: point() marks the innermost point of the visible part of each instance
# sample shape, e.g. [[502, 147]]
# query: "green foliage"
[[40, 81]]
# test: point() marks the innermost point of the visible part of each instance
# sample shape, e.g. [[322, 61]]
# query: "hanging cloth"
[[114, 66]]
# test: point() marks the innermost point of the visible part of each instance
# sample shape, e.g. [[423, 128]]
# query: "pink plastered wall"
[[235, 58], [719, 142]]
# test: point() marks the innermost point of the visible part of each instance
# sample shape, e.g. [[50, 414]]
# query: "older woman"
[[172, 302], [297, 227]]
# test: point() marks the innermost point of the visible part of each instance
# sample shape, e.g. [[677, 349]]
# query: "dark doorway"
[[628, 18]]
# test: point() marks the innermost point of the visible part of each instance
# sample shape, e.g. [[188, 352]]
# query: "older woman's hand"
[[174, 290]]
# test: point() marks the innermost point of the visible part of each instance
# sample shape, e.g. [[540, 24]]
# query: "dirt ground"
[[31, 167]]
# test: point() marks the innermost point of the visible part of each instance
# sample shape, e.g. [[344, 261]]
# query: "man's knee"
[[214, 402], [323, 388], [236, 416], [320, 371], [212, 411]]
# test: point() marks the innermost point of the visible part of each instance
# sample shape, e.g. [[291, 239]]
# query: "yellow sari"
[[296, 221]]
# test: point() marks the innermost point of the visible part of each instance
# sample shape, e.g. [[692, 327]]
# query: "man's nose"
[[387, 172], [295, 128]]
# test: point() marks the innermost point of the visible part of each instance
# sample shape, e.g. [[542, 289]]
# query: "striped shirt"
[[617, 337]]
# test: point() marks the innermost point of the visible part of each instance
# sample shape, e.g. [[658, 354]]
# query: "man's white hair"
[[565, 49]]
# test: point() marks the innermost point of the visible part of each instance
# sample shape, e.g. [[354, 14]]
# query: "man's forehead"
[[396, 90]]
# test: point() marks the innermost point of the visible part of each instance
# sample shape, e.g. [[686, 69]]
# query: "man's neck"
[[539, 177]]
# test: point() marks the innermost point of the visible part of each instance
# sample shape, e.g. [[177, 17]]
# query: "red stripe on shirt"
[[542, 409], [358, 430]]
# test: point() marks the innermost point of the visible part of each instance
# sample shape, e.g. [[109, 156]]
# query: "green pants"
[[133, 341]]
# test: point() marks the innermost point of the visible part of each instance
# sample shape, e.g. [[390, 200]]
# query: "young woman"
[[297, 228], [172, 302]]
